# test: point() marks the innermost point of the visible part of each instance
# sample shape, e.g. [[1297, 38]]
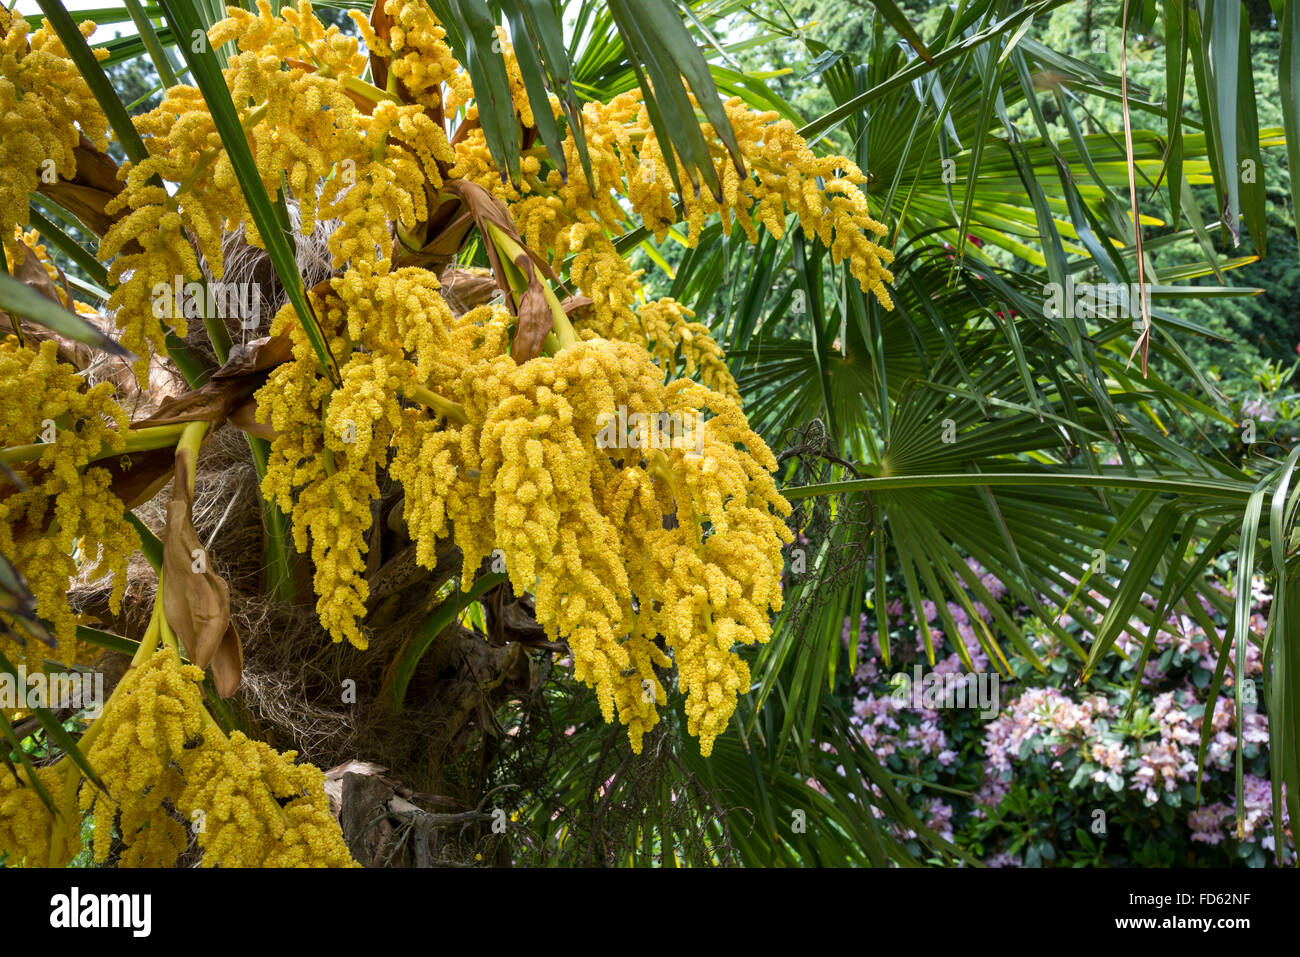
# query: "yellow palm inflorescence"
[[167, 770], [621, 536], [28, 832], [615, 527], [66, 516], [295, 84], [635, 503], [45, 107], [643, 547], [390, 332], [236, 791], [629, 169], [155, 711], [643, 559], [157, 744]]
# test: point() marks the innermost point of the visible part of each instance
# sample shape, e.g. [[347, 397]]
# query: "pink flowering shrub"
[[1066, 775]]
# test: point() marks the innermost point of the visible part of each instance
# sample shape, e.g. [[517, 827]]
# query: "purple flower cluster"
[[1088, 739], [911, 733], [879, 719], [1215, 822]]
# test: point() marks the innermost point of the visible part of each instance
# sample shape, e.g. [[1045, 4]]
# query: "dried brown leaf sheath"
[[196, 600], [244, 417], [229, 388], [533, 311], [139, 476], [95, 185], [228, 662], [382, 24], [465, 289], [535, 321], [576, 307]]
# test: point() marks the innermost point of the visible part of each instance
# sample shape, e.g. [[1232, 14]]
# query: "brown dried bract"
[[90, 191], [196, 601]]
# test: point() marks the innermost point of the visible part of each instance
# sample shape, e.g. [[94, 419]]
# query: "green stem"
[[368, 91], [150, 545], [508, 251], [219, 336], [191, 439], [154, 437], [165, 633], [211, 727], [59, 832], [137, 440], [564, 331], [1208, 487], [221, 711], [433, 626], [209, 155], [149, 643], [279, 573], [144, 26], [191, 367], [444, 407]]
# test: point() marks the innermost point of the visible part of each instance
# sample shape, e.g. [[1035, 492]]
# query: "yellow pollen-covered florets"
[[259, 809], [574, 221], [45, 107], [154, 712], [27, 826], [579, 460], [296, 86], [331, 444], [67, 508], [166, 764]]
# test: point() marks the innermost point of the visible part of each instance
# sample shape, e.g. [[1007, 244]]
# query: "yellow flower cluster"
[[156, 710], [707, 592], [642, 556], [824, 193], [645, 545], [330, 446], [418, 54], [27, 827], [548, 469], [296, 86], [474, 163], [45, 105], [150, 240], [255, 808], [160, 755], [371, 162], [435, 462], [664, 326], [571, 219], [67, 516]]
